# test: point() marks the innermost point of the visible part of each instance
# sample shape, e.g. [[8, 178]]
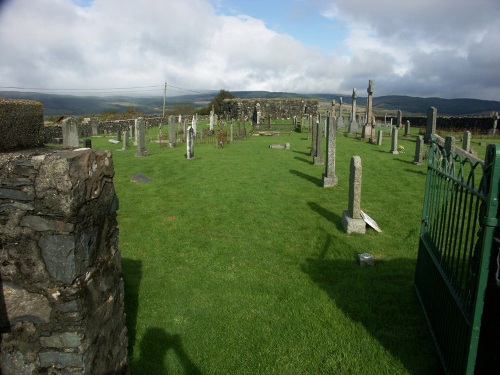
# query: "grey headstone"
[[330, 179]]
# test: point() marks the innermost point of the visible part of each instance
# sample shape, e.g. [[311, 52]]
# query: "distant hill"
[[87, 105]]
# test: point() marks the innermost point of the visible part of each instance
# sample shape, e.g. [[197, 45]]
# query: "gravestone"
[[340, 119], [280, 146], [94, 126], [194, 125], [380, 135], [352, 220], [131, 131], [119, 135], [313, 140], [172, 141], [419, 150], [70, 132], [334, 109], [329, 177], [212, 120], [431, 124], [353, 124], [407, 129], [126, 136], [136, 131], [231, 132], [466, 140], [394, 140], [140, 136], [495, 117], [369, 103], [190, 143], [400, 119], [318, 158]]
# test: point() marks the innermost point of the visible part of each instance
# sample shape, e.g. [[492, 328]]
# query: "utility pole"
[[164, 99]]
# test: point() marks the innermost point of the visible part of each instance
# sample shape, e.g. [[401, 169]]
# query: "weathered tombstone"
[[212, 120], [495, 117], [313, 129], [353, 124], [94, 126], [352, 220], [369, 102], [136, 131], [431, 124], [70, 132], [280, 146], [394, 140], [131, 131], [190, 143], [419, 150], [466, 140], [380, 135], [363, 131], [126, 136], [172, 141], [334, 110], [340, 119], [119, 135], [140, 137], [407, 129], [194, 124], [400, 119], [329, 177], [318, 158], [231, 132]]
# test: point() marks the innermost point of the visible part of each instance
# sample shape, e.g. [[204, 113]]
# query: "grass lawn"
[[235, 262]]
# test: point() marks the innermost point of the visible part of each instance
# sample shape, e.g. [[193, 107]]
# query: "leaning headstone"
[[407, 129], [466, 140], [140, 136], [431, 124], [190, 143], [70, 132], [380, 135], [318, 158], [352, 221], [329, 177], [419, 150], [394, 140]]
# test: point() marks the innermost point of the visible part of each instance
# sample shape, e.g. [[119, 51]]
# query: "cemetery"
[[211, 251]]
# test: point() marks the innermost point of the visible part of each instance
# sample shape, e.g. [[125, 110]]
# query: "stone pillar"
[[318, 158], [407, 129], [353, 124], [126, 136], [400, 119], [231, 132], [131, 131], [136, 131], [61, 289], [70, 133], [119, 135], [352, 221], [334, 109], [212, 120], [190, 143], [313, 130], [449, 144], [369, 103], [329, 177], [172, 141], [466, 140], [431, 124], [495, 117], [94, 126], [394, 141], [140, 137], [379, 137], [419, 150], [340, 119]]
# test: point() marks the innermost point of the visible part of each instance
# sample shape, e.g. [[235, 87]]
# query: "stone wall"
[[61, 288], [474, 124], [22, 124], [276, 108]]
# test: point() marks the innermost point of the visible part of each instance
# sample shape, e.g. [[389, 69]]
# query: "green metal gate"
[[458, 220]]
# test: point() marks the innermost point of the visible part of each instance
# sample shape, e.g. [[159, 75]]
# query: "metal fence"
[[458, 220]]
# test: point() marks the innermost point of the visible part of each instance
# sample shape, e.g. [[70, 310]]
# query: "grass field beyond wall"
[[235, 262]]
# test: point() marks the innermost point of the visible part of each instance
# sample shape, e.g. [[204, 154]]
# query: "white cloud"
[[445, 48]]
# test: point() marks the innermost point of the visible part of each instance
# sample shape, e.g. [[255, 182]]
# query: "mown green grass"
[[235, 262]]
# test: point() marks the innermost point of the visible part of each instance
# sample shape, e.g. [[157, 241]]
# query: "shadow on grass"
[[383, 300], [308, 161], [315, 180], [132, 274], [303, 153], [155, 346], [419, 171], [328, 215]]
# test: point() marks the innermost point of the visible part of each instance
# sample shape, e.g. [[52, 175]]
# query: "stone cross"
[[352, 221], [369, 102], [466, 140], [407, 129], [318, 158], [70, 132], [329, 177], [353, 126], [394, 140], [419, 150], [140, 137], [172, 141], [431, 124], [190, 143]]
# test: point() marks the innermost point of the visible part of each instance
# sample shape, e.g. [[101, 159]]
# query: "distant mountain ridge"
[[55, 104]]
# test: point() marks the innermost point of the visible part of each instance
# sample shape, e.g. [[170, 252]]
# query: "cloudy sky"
[[444, 48]]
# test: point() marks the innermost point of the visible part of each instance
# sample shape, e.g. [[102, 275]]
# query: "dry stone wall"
[[22, 124], [61, 288]]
